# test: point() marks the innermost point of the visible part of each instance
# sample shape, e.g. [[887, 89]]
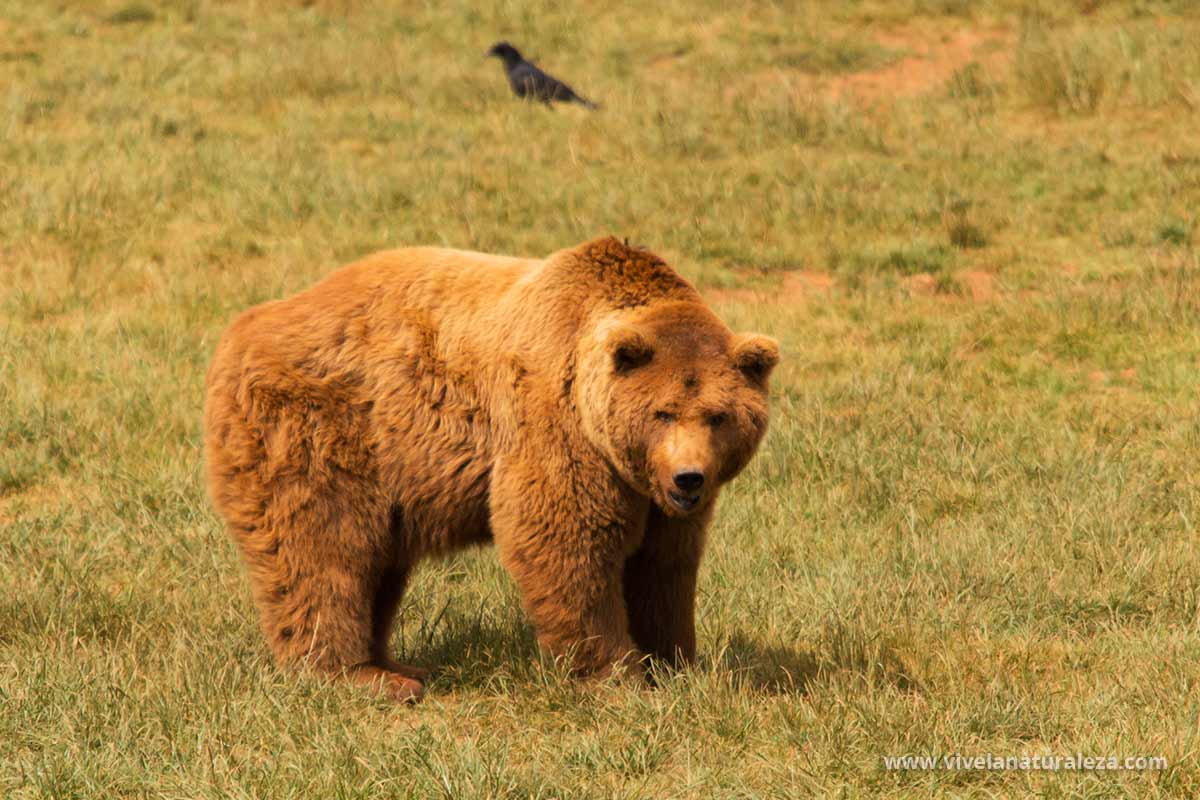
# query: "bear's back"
[[429, 277]]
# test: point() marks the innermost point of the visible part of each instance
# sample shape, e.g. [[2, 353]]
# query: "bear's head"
[[676, 401]]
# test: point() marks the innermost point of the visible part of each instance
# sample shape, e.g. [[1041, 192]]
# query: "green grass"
[[972, 528]]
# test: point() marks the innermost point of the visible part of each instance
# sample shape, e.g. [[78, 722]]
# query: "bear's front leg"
[[660, 585], [564, 540]]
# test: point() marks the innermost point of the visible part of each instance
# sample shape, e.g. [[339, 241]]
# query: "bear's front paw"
[[392, 685], [403, 689], [628, 670]]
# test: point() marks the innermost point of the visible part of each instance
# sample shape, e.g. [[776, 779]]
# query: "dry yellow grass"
[[972, 529]]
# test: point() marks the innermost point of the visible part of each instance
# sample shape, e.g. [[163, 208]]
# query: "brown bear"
[[581, 412]]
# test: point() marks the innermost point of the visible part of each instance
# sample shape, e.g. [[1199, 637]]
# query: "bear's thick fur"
[[581, 412]]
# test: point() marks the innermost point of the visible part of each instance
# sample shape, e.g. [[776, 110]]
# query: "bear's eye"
[[717, 420], [664, 416]]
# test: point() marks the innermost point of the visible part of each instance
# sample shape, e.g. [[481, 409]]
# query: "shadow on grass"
[[481, 650], [472, 651], [783, 668], [777, 669]]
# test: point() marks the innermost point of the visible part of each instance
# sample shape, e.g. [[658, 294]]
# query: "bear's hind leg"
[[316, 585], [323, 618]]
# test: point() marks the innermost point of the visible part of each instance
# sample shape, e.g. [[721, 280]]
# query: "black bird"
[[530, 82]]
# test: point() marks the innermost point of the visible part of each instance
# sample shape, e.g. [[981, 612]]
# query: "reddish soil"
[[979, 286], [933, 60], [796, 287]]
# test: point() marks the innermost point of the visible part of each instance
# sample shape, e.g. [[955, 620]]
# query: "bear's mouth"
[[682, 501]]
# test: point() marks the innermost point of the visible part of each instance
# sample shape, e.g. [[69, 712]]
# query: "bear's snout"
[[683, 467], [684, 488], [689, 480]]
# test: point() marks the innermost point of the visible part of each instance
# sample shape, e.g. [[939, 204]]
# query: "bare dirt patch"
[[799, 286], [735, 295], [796, 287], [802, 282], [977, 285], [922, 283], [974, 285], [934, 59]]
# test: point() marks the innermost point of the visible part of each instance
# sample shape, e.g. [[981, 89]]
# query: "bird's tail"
[[588, 104]]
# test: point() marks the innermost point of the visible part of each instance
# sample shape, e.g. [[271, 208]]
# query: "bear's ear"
[[755, 356], [628, 348]]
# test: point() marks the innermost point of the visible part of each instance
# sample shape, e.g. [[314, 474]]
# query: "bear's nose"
[[689, 480]]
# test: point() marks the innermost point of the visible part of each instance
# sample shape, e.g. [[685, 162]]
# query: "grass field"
[[972, 528]]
